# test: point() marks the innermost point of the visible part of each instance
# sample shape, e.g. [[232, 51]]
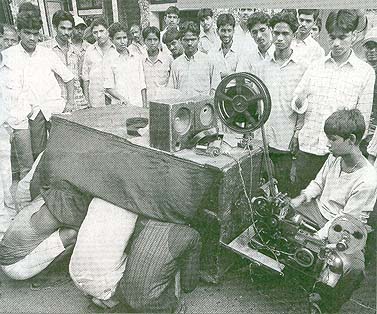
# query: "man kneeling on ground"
[[345, 185], [43, 231]]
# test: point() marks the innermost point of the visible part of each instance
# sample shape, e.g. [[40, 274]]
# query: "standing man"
[[316, 29], [157, 64], [242, 38], [137, 46], [120, 66], [77, 38], [304, 44], [94, 59], [194, 72], [224, 55], [208, 38], [171, 20], [63, 23], [258, 24], [339, 80], [9, 36], [281, 73], [35, 92], [172, 40]]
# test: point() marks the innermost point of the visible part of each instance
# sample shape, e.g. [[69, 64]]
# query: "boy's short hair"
[[191, 27], [203, 13], [343, 20], [285, 17], [115, 28], [172, 10], [28, 6], [60, 16], [29, 19], [257, 17], [170, 35], [345, 122], [151, 30], [225, 19], [99, 21], [314, 12]]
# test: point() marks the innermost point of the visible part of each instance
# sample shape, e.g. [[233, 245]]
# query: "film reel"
[[242, 102]]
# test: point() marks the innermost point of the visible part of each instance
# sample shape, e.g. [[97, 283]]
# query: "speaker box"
[[173, 123]]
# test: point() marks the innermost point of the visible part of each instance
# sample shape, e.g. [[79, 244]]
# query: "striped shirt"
[[327, 88], [281, 81], [158, 250]]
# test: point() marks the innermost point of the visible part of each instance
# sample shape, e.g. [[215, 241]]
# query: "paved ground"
[[237, 293]]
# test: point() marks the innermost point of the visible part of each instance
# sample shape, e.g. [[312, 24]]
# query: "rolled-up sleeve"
[[59, 68]]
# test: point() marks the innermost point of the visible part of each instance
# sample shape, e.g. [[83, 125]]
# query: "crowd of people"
[[322, 125]]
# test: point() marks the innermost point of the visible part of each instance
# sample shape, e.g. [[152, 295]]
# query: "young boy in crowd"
[[345, 185], [171, 20], [120, 66], [316, 29], [156, 64], [208, 38], [94, 61], [172, 40], [137, 46], [194, 72], [225, 55]]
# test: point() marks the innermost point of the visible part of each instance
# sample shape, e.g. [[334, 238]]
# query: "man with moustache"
[[281, 73], [63, 23], [94, 59], [34, 91], [258, 24], [8, 36], [194, 72], [120, 66], [77, 37]]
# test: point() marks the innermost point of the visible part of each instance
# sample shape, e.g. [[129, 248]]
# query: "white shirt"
[[126, 75], [338, 192], [254, 57], [308, 50], [243, 41], [327, 88], [281, 81], [33, 84], [225, 64]]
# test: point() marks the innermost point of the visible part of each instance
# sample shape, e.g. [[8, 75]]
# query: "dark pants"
[[29, 143], [307, 167], [282, 162]]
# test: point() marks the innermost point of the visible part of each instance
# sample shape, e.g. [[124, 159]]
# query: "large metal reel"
[[242, 102]]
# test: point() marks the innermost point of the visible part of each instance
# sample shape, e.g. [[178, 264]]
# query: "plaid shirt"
[[329, 87]]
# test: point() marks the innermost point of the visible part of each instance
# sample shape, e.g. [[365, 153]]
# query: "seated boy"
[[346, 184]]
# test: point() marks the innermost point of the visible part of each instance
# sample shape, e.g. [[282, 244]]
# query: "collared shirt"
[[81, 51], [92, 71], [308, 50], [195, 75], [254, 57], [281, 81], [327, 88], [157, 73], [243, 41], [225, 64], [33, 83], [126, 75], [208, 42], [137, 49], [71, 58], [338, 192]]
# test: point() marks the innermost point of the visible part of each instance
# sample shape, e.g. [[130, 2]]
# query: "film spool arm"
[[243, 104]]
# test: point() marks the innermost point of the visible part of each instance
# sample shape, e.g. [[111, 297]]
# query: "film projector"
[[278, 237]]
